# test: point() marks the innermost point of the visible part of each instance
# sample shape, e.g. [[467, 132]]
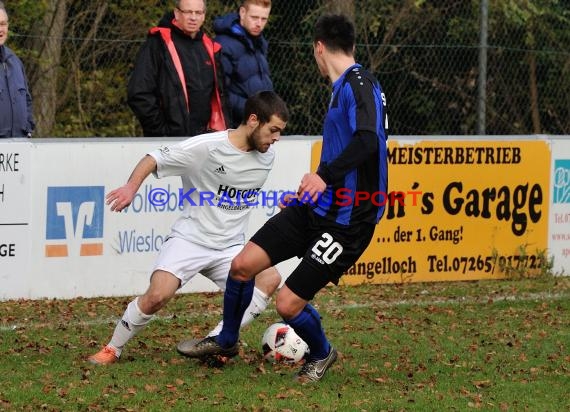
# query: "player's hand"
[[285, 200], [120, 198], [311, 185]]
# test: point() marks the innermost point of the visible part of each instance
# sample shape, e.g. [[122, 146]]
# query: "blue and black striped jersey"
[[353, 160]]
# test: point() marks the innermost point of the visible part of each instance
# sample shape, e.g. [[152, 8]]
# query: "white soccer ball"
[[280, 343]]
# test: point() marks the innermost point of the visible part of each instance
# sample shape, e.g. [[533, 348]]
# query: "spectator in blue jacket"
[[16, 118], [244, 54]]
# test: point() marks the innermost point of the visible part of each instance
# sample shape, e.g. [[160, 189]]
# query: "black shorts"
[[326, 248]]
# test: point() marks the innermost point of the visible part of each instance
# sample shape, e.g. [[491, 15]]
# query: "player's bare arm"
[[122, 197], [311, 184]]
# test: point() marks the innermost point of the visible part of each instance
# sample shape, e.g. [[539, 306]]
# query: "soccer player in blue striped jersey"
[[329, 235]]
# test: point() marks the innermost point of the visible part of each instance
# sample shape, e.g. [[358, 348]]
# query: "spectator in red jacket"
[[176, 86]]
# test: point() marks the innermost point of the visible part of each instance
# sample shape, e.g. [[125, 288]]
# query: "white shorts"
[[185, 259]]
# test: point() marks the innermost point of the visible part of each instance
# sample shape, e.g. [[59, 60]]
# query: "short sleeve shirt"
[[220, 185]]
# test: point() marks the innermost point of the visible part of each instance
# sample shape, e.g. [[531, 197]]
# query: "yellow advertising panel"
[[458, 210]]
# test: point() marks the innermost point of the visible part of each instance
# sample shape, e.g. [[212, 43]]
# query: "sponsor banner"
[[15, 189], [80, 248], [459, 210], [559, 227], [470, 208]]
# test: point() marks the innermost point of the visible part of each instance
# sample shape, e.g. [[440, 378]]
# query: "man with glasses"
[[176, 85], [16, 118]]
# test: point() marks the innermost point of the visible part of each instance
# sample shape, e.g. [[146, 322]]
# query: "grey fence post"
[[482, 84]]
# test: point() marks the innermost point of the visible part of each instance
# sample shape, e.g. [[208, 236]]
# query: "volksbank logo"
[[74, 223], [561, 188]]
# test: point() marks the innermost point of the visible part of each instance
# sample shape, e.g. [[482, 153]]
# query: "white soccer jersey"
[[220, 183]]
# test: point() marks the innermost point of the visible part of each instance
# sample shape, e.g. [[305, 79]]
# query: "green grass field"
[[489, 345]]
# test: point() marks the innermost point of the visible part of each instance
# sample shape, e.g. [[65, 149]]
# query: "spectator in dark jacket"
[[16, 119], [176, 85], [244, 54]]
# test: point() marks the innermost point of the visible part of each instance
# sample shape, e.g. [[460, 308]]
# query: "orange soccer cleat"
[[105, 356]]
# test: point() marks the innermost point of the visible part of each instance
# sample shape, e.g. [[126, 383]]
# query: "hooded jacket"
[[244, 60], [176, 85], [16, 119]]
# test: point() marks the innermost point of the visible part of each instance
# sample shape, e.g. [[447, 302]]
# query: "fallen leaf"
[[482, 384]]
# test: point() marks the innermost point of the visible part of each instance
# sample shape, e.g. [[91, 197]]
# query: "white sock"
[[132, 322], [259, 302]]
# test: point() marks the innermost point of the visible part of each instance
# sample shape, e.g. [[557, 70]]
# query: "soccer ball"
[[280, 343]]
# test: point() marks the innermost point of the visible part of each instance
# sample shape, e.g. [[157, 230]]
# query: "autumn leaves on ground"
[[493, 345]]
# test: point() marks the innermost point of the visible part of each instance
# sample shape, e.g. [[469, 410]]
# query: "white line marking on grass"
[[397, 303], [460, 300]]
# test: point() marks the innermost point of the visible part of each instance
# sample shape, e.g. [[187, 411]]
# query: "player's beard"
[[254, 141]]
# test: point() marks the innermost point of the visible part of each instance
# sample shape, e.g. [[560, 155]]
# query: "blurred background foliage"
[[79, 55]]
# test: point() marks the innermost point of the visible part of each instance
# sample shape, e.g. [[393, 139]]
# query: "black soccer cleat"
[[185, 345], [314, 369], [205, 348]]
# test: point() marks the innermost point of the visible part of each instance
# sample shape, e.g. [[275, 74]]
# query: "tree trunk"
[[49, 56], [535, 115], [377, 55]]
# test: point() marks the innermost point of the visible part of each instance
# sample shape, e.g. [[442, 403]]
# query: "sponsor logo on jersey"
[[74, 221], [220, 170]]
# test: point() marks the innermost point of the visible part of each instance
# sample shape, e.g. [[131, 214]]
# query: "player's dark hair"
[[264, 105], [336, 32]]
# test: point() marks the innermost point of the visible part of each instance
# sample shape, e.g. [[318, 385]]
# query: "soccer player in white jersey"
[[223, 172]]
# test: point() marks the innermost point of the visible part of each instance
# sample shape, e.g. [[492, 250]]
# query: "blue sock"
[[236, 300], [308, 326]]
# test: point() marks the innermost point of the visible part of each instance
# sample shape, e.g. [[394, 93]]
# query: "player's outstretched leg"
[[258, 304], [237, 298], [139, 312], [131, 323]]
